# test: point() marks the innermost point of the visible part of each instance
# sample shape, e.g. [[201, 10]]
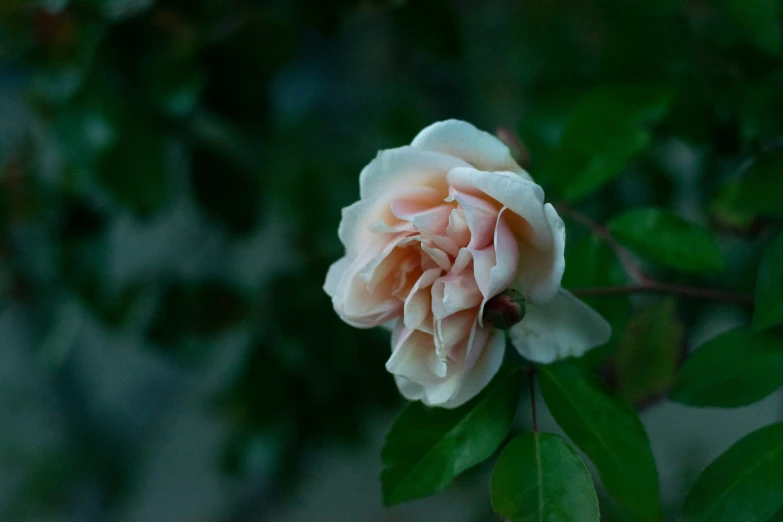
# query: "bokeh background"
[[171, 179]]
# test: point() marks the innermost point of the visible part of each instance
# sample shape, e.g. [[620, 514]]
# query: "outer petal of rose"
[[405, 167], [454, 329], [409, 389], [414, 357], [463, 140], [365, 219], [334, 275], [354, 229], [482, 372], [561, 328], [459, 386], [352, 299], [539, 273], [523, 197], [362, 309]]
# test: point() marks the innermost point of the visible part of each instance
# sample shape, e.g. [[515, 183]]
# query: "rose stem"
[[643, 283], [659, 288]]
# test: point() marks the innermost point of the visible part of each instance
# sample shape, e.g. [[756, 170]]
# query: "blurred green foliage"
[[176, 170]]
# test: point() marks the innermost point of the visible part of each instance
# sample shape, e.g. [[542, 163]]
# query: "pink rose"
[[442, 226]]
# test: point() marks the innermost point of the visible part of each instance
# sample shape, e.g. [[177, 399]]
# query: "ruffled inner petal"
[[418, 305], [480, 216]]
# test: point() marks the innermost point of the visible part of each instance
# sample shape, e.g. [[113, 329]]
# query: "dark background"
[[171, 179]]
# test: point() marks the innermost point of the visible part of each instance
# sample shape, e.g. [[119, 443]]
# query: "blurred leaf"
[[606, 130], [591, 263], [758, 19], [174, 85], [68, 45], [724, 209], [665, 238], [89, 125], [645, 362], [777, 517], [119, 9], [226, 188], [744, 483], [538, 476], [769, 287], [760, 101], [427, 447], [199, 309], [413, 21], [736, 368], [760, 187], [607, 429], [134, 169]]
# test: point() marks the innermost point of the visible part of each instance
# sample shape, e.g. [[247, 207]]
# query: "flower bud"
[[505, 309]]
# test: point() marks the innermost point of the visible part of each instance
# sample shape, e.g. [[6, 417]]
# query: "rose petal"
[[464, 257], [444, 243], [522, 197], [440, 257], [483, 261], [418, 305], [484, 369], [408, 273], [409, 389], [353, 299], [460, 384], [405, 167], [563, 327], [458, 229], [502, 274], [454, 293], [463, 140], [354, 229], [415, 359], [540, 273], [335, 273], [453, 329], [481, 217]]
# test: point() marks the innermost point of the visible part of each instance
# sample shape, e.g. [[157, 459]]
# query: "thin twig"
[[633, 270], [518, 149], [659, 288], [643, 283]]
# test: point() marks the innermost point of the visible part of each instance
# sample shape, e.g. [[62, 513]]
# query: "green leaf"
[[427, 447], [736, 368], [645, 361], [665, 238], [608, 128], [769, 287], [761, 99], [538, 476], [759, 189], [777, 517], [135, 168], [759, 20], [744, 483], [607, 429], [227, 189], [725, 211]]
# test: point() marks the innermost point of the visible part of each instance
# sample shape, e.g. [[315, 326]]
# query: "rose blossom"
[[441, 227]]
